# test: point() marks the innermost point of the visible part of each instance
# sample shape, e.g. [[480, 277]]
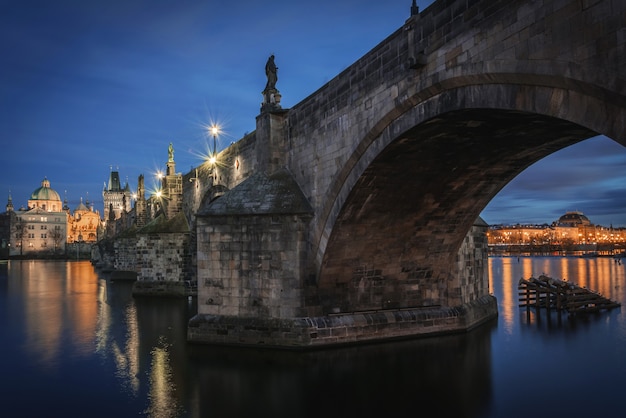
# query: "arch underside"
[[405, 219]]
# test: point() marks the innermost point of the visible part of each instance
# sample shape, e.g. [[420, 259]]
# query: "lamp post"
[[214, 131]]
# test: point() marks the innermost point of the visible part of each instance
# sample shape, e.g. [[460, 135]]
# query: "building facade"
[[46, 225], [41, 228], [572, 228], [84, 224]]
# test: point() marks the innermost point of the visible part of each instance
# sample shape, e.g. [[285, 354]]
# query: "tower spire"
[[10, 203]]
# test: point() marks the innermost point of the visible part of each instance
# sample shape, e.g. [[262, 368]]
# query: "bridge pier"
[[253, 287], [340, 329]]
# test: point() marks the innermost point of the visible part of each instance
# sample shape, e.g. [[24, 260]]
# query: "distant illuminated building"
[[571, 228], [573, 219], [46, 225], [42, 226], [83, 225], [45, 198]]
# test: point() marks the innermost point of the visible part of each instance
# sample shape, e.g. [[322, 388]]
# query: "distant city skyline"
[[89, 85]]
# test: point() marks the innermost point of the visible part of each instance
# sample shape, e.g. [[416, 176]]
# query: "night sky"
[[86, 86]]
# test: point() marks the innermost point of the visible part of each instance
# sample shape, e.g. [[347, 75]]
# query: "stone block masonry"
[[341, 329], [352, 215]]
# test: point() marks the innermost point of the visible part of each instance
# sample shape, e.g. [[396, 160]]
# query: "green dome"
[[45, 192]]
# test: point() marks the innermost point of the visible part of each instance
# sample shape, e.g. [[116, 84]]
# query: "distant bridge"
[[354, 215]]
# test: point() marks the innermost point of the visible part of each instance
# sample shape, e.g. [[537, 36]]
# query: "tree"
[[18, 227], [57, 236]]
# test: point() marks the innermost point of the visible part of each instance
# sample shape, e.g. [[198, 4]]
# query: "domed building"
[[574, 219], [41, 228], [575, 227], [45, 198]]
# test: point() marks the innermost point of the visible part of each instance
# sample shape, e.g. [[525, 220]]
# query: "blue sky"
[[89, 85]]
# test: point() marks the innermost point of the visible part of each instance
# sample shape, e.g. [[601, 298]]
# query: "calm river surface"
[[76, 345]]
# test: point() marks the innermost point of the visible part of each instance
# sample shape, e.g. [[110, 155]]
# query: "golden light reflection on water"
[[601, 274], [65, 310], [162, 400], [58, 302], [123, 349]]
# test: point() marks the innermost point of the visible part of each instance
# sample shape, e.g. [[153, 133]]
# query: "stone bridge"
[[354, 215]]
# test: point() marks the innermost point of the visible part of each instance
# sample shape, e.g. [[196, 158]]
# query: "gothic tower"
[[116, 199]]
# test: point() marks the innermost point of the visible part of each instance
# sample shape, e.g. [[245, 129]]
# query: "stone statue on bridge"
[[271, 96], [170, 152], [271, 71]]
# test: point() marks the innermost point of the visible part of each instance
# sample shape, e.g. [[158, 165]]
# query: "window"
[[43, 236]]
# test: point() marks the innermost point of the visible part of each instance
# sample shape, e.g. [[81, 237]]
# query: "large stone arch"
[[396, 157], [505, 128]]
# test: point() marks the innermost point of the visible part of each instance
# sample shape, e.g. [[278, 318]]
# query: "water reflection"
[[384, 380], [117, 335], [162, 400], [108, 354], [65, 312], [52, 328], [601, 274], [138, 335]]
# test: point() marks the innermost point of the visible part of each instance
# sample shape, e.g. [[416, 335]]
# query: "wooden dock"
[[547, 292]]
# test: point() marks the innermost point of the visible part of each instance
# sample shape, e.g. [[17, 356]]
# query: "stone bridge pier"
[[354, 215]]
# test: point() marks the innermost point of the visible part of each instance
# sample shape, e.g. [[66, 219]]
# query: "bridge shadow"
[[450, 374]]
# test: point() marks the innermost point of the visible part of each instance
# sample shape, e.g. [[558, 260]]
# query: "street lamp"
[[214, 129]]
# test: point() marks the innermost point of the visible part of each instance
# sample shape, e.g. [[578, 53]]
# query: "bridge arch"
[[396, 157], [396, 221]]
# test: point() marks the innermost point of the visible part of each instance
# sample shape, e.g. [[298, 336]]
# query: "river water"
[[73, 344]]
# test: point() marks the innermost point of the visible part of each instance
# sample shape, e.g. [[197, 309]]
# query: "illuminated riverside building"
[[84, 224], [46, 225], [41, 227], [573, 228]]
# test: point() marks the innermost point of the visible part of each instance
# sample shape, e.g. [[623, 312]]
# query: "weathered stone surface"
[[397, 156], [251, 249], [261, 194], [343, 329]]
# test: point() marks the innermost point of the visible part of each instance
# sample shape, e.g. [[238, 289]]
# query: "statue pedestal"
[[271, 100]]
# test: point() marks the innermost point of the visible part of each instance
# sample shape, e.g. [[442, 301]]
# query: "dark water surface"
[[76, 345]]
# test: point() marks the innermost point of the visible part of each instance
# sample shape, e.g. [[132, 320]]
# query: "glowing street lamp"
[[214, 129]]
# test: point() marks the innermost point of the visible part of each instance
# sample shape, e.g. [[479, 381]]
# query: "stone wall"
[[125, 254], [472, 280], [162, 257], [252, 249], [250, 266], [341, 329]]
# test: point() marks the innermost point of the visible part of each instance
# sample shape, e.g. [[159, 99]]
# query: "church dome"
[[574, 219], [45, 192]]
